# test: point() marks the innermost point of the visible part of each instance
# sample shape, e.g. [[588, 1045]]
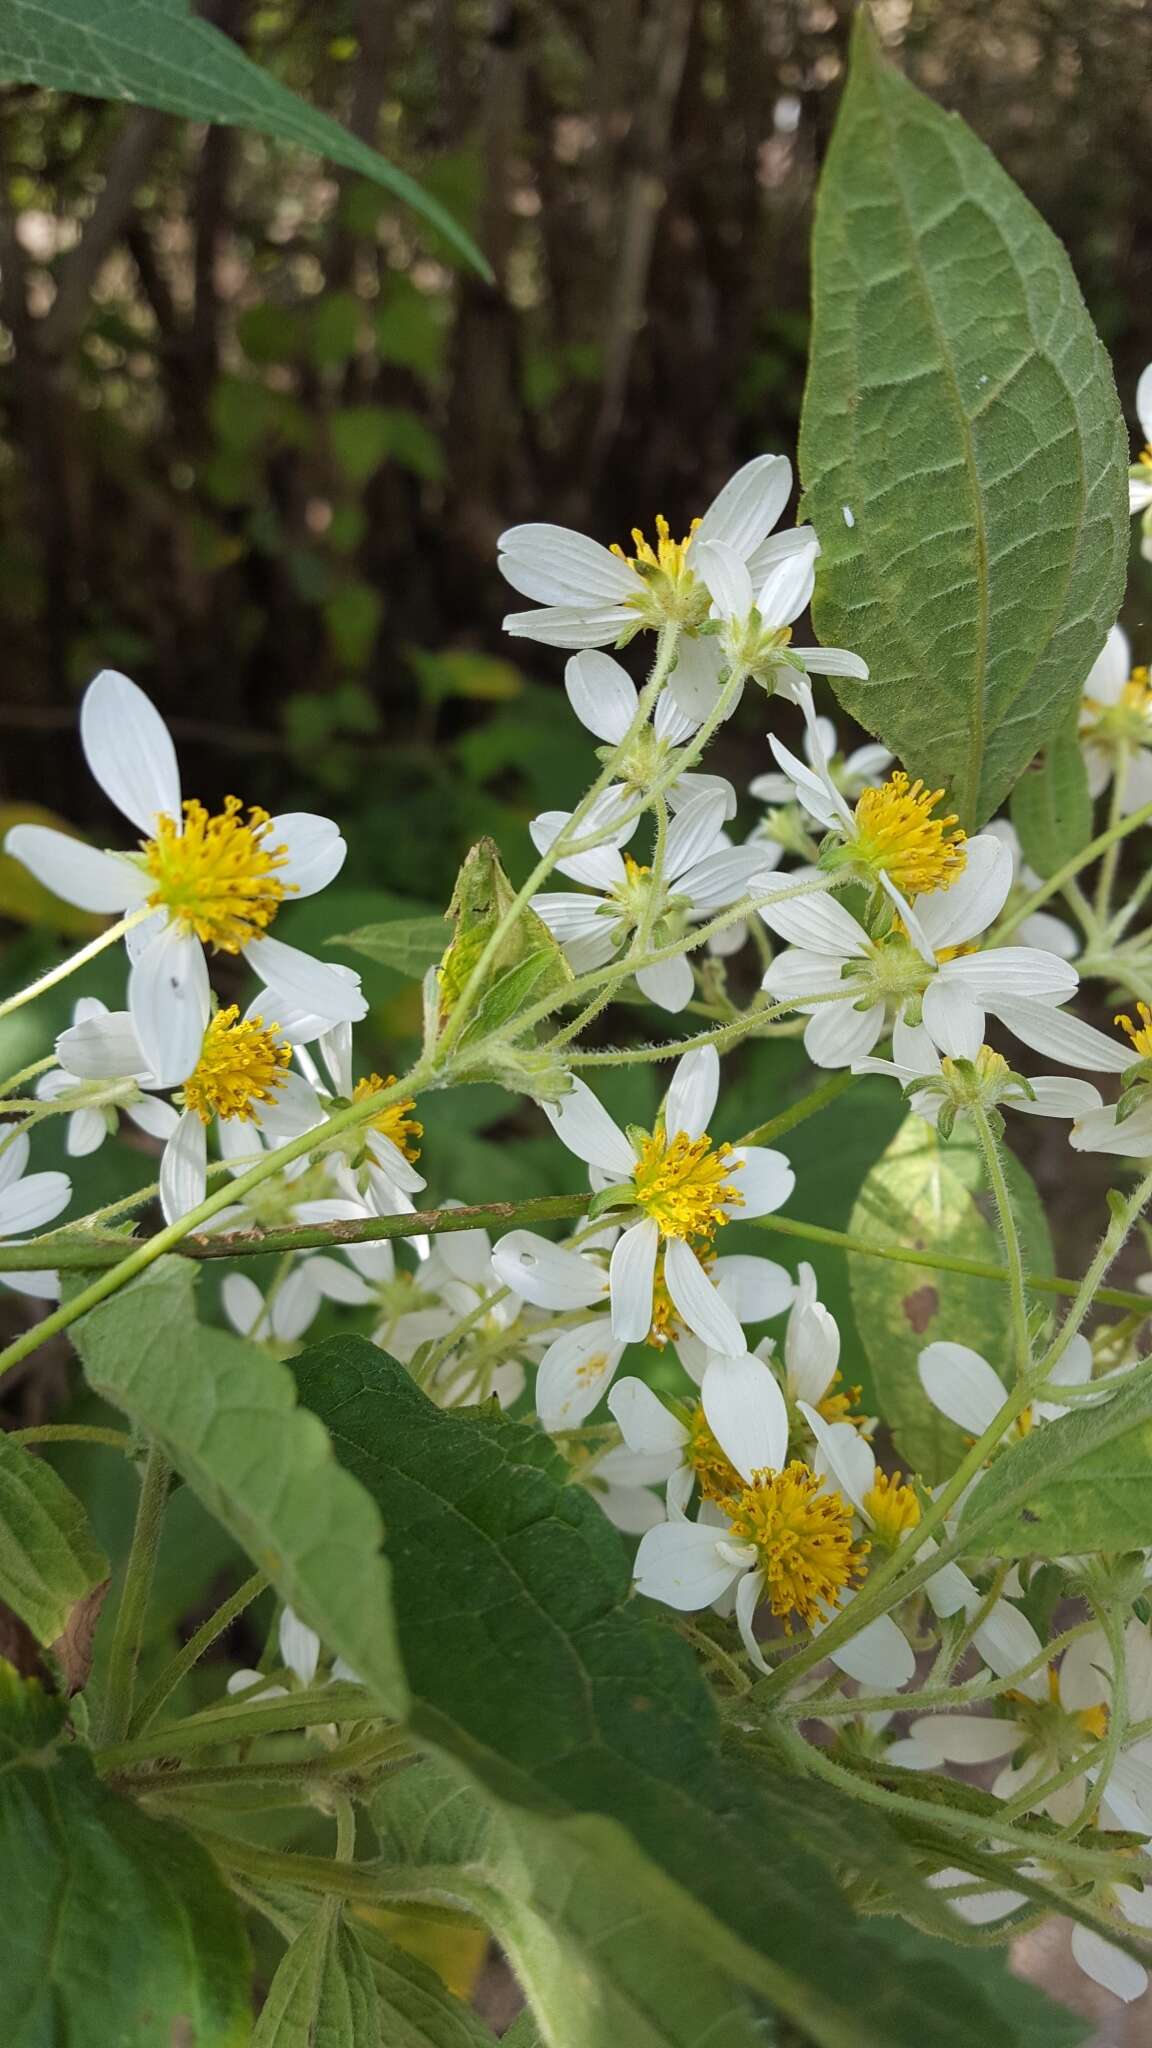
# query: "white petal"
[[313, 985], [337, 1282], [602, 694], [692, 1093], [1011, 971], [819, 924], [728, 581], [75, 872], [754, 1289], [814, 788], [956, 1024], [102, 1048], [295, 1303], [837, 661], [697, 1301], [467, 1254], [631, 1277], [792, 541], [581, 1122], [695, 678], [1144, 402], [1111, 669], [843, 1455], [646, 1425], [184, 1168], [748, 506], [669, 984], [169, 1000], [14, 1159], [557, 566], [764, 1179], [242, 1302], [87, 1131], [952, 916], [1062, 1036], [795, 976], [838, 1033], [879, 1656], [157, 1118], [35, 1200], [962, 1385], [680, 1564], [1057, 1095], [299, 1646], [316, 850], [749, 1593], [129, 750], [966, 1738], [1108, 1965], [547, 1274], [746, 1413], [693, 833], [670, 724], [571, 625], [787, 588], [1007, 1641], [723, 877]]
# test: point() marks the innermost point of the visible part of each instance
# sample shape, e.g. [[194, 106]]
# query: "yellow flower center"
[[1145, 458], [837, 1404], [716, 1478], [803, 1538], [1140, 1034], [892, 1508], [395, 1122], [668, 558], [685, 1185], [216, 877], [239, 1066], [897, 832], [1094, 1721], [1129, 719]]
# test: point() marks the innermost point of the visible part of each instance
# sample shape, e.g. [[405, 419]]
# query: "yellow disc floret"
[[892, 1508], [685, 1185], [1140, 1034], [896, 832], [839, 1402], [216, 876], [668, 558], [717, 1479], [396, 1121], [803, 1539], [240, 1065]]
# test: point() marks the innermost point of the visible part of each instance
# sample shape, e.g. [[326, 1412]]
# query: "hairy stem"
[[124, 1655]]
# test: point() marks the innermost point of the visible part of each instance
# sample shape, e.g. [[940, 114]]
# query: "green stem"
[[73, 963], [929, 1700], [994, 1169], [1089, 1291], [722, 1036], [241, 1721], [1118, 1732], [809, 1105], [193, 1650], [1107, 876], [74, 1433], [1128, 910], [124, 1655], [1084, 858], [27, 1074]]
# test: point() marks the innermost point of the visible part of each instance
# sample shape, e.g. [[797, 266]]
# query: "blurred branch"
[[127, 165]]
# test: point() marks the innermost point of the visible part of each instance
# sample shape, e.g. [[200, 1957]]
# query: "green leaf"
[[360, 437], [528, 1661], [962, 449], [117, 1927], [409, 944], [930, 1195], [416, 2009], [49, 1558], [156, 53], [323, 1994], [227, 1417], [1051, 807], [1080, 1484]]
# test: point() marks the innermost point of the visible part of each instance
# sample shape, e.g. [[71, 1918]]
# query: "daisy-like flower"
[[755, 612], [964, 1387], [1140, 474], [888, 1505], [850, 774], [300, 1652], [592, 596], [889, 836], [98, 1110], [781, 1538], [293, 1303], [702, 875], [954, 1088], [27, 1201], [604, 698], [925, 969], [1103, 1128], [207, 880], [683, 1189], [1116, 723]]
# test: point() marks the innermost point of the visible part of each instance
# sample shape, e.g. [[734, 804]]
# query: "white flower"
[[1116, 723], [292, 1303], [685, 1188], [28, 1200], [300, 1654], [207, 880], [702, 875], [756, 611], [604, 698], [784, 1537], [1140, 474], [1051, 934], [931, 970], [915, 1056], [811, 1342], [964, 1387], [92, 1120], [592, 596], [864, 768]]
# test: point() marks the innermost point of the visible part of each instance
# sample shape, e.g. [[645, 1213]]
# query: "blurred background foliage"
[[260, 429]]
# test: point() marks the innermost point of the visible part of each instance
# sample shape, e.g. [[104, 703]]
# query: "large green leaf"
[[158, 54], [1080, 1484], [1051, 806], [116, 1927], [226, 1415], [528, 1662], [962, 449], [49, 1558], [929, 1195], [409, 944], [323, 1994]]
